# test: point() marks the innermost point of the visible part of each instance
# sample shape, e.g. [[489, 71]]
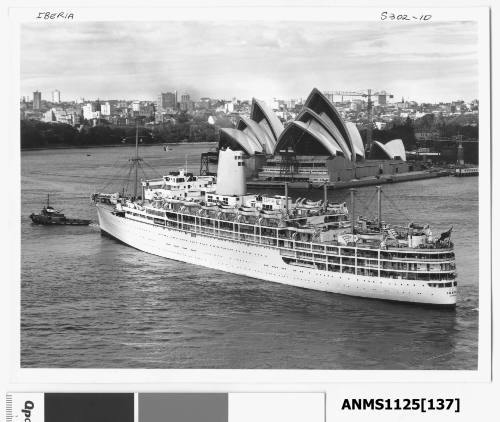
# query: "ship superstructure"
[[310, 244]]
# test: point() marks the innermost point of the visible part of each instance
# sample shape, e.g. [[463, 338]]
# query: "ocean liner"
[[213, 222]]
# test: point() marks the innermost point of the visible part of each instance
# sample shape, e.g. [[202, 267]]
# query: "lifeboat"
[[270, 213], [191, 204], [371, 236], [248, 211], [209, 207], [312, 204]]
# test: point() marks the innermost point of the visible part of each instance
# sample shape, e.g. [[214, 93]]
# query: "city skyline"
[[45, 97], [432, 63]]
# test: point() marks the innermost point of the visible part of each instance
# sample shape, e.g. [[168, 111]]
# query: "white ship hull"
[[263, 262]]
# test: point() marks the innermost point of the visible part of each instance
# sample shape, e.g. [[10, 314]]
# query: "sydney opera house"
[[317, 146]]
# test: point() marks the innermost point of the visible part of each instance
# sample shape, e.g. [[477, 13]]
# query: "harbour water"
[[88, 301]]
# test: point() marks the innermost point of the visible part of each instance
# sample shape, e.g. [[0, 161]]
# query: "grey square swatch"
[[183, 407]]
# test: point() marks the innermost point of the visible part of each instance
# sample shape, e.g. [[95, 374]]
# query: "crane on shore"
[[369, 106]]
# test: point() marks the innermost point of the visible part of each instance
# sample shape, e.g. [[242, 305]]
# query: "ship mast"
[[136, 159], [379, 207], [325, 197], [352, 190], [286, 199], [136, 155]]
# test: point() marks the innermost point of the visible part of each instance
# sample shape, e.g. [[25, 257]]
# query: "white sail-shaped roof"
[[318, 128], [298, 133], [265, 117], [393, 149], [324, 108], [308, 115], [355, 136], [237, 138], [253, 129]]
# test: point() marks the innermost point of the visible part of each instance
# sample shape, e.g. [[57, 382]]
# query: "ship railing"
[[248, 237], [417, 271], [287, 253], [324, 247], [424, 247], [342, 260], [303, 246], [423, 259], [372, 255], [419, 276], [223, 233], [375, 266]]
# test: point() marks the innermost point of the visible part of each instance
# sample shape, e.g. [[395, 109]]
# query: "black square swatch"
[[89, 407]]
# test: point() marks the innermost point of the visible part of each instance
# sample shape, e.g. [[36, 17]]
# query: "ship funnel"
[[231, 173]]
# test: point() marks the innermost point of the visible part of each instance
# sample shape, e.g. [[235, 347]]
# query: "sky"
[[138, 60]]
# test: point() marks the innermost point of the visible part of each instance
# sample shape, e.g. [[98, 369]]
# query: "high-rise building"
[[56, 96], [87, 110], [136, 106], [186, 104], [90, 111], [37, 100], [168, 100], [106, 109], [228, 107]]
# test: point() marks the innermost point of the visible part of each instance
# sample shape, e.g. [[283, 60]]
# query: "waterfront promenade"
[[366, 181]]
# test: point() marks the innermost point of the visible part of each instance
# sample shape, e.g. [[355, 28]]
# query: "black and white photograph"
[[251, 194]]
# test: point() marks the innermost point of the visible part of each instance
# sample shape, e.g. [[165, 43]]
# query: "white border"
[[185, 379], [257, 13]]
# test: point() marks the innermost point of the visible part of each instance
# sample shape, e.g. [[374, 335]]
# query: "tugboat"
[[50, 216]]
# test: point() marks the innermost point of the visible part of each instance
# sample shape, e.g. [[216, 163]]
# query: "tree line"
[[36, 134]]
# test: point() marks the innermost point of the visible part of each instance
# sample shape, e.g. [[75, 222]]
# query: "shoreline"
[[368, 181], [114, 145]]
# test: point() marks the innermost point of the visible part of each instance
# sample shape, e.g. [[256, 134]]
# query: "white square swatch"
[[276, 407]]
